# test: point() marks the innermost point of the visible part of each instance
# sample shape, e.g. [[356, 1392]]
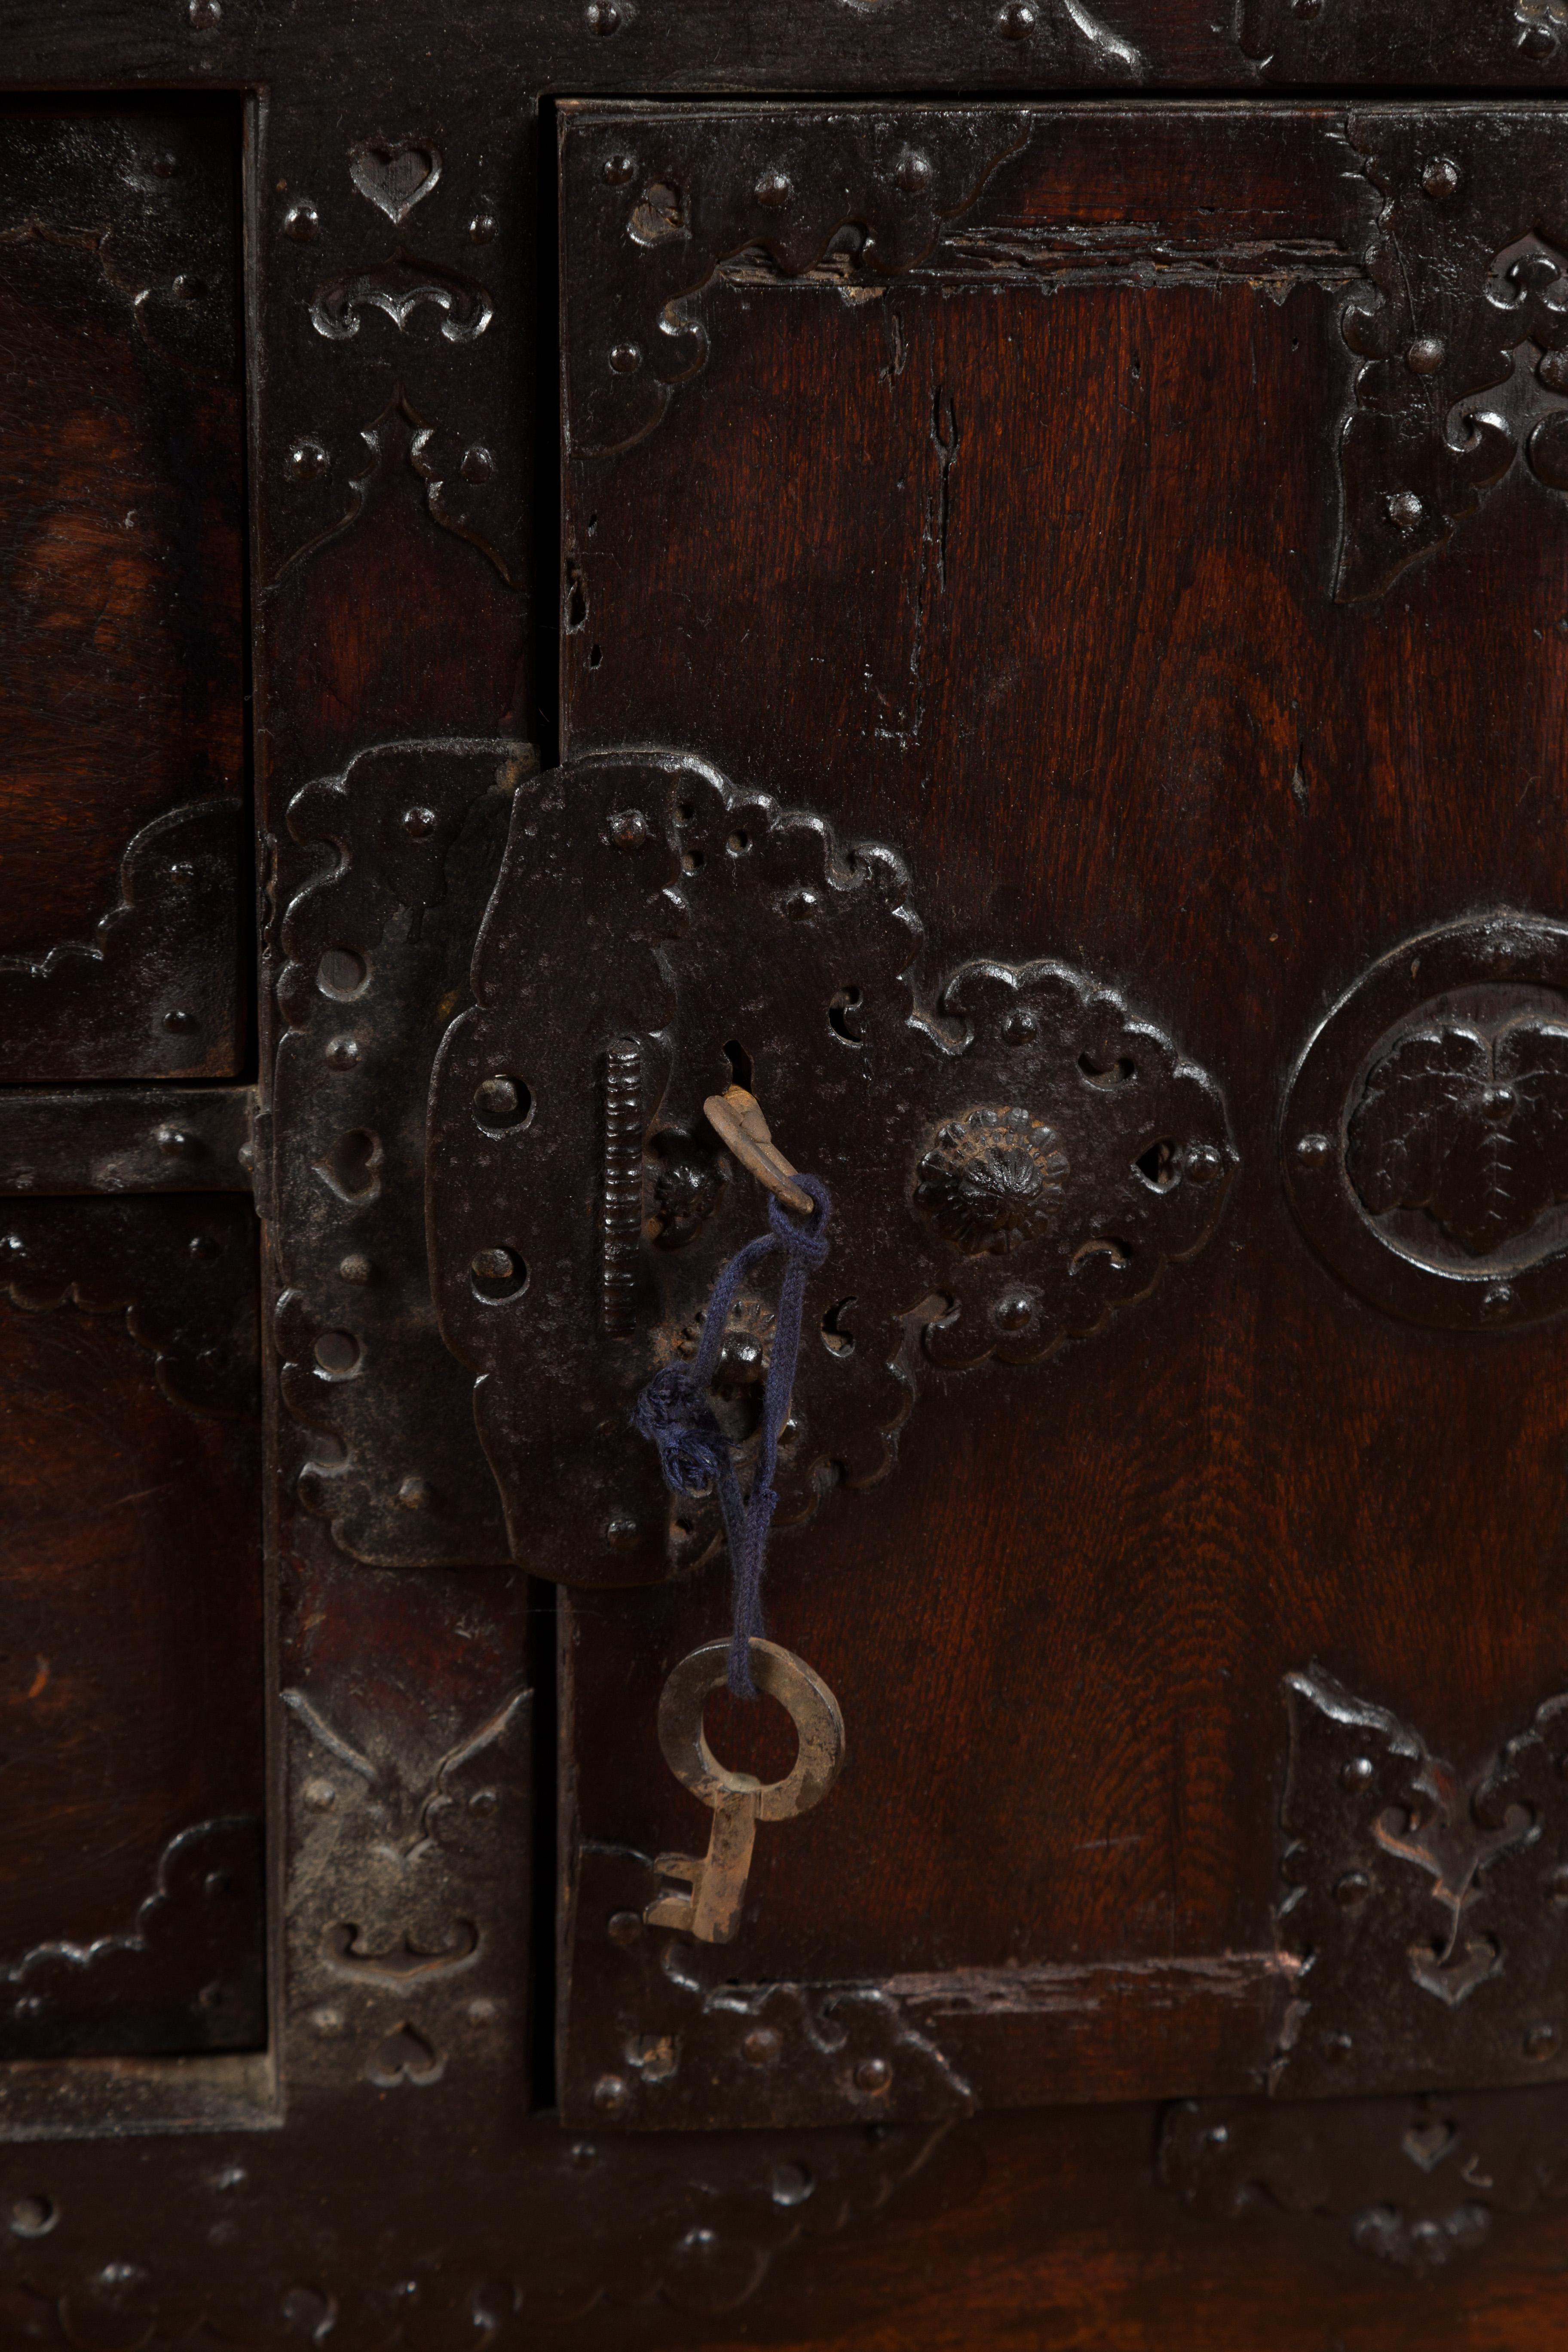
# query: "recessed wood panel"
[[121, 589], [131, 1669]]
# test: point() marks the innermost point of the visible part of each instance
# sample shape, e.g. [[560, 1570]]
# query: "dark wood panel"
[[1025, 563], [131, 1671], [122, 535]]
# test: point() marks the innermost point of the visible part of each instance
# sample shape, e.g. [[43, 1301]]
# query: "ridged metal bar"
[[620, 1228]]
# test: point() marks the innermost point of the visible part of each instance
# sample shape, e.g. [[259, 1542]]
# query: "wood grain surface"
[[130, 1565], [1023, 564]]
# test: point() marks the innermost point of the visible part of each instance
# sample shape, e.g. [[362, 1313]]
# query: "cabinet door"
[[131, 1681], [1062, 692], [125, 867]]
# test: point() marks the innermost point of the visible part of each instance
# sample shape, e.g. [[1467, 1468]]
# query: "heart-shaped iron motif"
[[396, 174], [1428, 2144]]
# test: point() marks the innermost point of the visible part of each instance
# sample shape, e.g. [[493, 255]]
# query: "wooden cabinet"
[[994, 584]]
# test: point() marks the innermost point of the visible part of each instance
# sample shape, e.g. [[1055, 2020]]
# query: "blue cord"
[[674, 1409]]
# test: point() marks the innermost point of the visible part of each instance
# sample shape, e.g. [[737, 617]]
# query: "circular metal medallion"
[[1426, 1129]]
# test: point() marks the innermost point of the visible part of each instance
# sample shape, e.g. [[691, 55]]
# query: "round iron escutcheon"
[[1426, 1129]]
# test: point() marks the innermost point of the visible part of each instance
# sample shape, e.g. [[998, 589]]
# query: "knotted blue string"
[[675, 1410]]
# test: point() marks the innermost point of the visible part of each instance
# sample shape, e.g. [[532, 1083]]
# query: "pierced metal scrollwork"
[[1427, 1916], [1459, 338], [680, 193], [1012, 1154], [407, 839]]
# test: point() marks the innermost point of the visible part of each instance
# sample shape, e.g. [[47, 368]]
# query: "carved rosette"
[[1012, 1157], [991, 1181], [1425, 1131]]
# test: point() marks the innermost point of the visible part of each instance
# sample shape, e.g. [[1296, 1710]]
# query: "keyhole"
[[740, 1063]]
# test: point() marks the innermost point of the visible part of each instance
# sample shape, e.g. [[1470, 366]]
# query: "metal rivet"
[[205, 15], [307, 462], [1203, 1163], [1312, 1150], [301, 221], [1426, 356], [1441, 178], [1336, 2047], [1358, 1772], [1218, 2136], [177, 1143], [33, 2217], [418, 823], [602, 16], [626, 359], [319, 1795], [619, 169], [483, 1802], [415, 1495], [625, 1927], [355, 1268], [327, 2020], [342, 1053], [1405, 510], [1018, 1028], [621, 1534], [763, 2046], [1557, 1885], [1498, 1302], [792, 2184], [1536, 41], [1017, 20], [913, 172], [772, 187], [482, 228], [1016, 1313], [478, 463], [164, 167], [483, 2011], [873, 2075], [179, 1022], [1352, 1889], [203, 1245], [628, 828], [190, 290], [1541, 2041], [611, 2093], [1306, 9]]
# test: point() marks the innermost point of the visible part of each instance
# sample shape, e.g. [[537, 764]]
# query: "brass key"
[[712, 1910]]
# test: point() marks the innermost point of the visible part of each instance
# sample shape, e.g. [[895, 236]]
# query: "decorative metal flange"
[[1426, 1131], [1012, 1158]]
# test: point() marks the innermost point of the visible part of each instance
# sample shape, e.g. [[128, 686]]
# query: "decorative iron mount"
[[1013, 1156]]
